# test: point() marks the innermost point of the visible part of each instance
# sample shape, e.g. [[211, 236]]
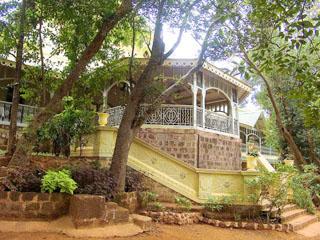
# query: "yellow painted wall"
[[196, 184]]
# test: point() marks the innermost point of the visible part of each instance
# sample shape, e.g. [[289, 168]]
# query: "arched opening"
[[218, 102], [255, 139], [117, 94]]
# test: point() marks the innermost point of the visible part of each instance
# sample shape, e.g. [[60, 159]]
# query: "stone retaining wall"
[[174, 217], [30, 205], [196, 148], [196, 217]]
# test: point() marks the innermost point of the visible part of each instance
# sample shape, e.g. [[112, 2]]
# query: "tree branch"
[[286, 134]]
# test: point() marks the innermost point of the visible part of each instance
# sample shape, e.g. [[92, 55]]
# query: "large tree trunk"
[[129, 126], [131, 122], [25, 144], [16, 88]]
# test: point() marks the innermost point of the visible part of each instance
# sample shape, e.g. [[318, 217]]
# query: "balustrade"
[[180, 115], [24, 112]]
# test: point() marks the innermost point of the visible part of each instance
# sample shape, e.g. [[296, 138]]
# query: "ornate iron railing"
[[115, 115], [24, 113], [218, 122], [180, 115]]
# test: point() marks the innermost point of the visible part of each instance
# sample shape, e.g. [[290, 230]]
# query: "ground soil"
[[169, 232]]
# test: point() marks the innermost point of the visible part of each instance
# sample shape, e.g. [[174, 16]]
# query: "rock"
[[145, 223]]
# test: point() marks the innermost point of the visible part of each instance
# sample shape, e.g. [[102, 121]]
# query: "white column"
[[203, 105], [232, 111], [194, 91]]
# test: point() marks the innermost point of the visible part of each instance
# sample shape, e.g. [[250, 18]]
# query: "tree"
[[16, 85], [107, 22], [206, 21], [273, 27]]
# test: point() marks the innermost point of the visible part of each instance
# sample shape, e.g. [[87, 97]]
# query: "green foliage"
[[304, 187], [61, 181], [67, 127], [155, 206], [148, 197], [253, 153], [217, 204], [275, 187], [270, 187], [183, 202]]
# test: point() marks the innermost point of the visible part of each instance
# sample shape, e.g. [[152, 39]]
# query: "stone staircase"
[[297, 218], [116, 214]]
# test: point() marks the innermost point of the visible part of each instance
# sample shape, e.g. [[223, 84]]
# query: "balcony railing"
[[24, 113], [180, 115]]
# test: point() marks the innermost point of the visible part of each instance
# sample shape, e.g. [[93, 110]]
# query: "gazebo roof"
[[244, 88]]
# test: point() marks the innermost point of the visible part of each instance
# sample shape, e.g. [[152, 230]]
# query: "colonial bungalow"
[[191, 144], [199, 123]]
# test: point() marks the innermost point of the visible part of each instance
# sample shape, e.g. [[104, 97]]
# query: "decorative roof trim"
[[210, 67]]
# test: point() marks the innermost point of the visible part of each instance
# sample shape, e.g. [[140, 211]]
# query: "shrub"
[[134, 181], [61, 181], [67, 127], [22, 180], [213, 205], [94, 181], [304, 187], [155, 206], [271, 187], [147, 198], [183, 202]]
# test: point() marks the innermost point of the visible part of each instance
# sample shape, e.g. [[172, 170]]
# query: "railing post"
[[195, 91], [203, 105]]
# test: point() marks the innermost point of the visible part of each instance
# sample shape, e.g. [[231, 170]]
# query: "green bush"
[[155, 206], [183, 202], [213, 205], [147, 198], [58, 181], [304, 187], [270, 187], [67, 127]]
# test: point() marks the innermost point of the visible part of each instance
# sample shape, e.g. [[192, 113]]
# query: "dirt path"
[[166, 232]]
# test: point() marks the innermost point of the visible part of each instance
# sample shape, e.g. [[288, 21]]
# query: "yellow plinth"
[[251, 163], [289, 162]]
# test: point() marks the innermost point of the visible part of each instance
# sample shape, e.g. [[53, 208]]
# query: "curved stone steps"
[[303, 221], [292, 214]]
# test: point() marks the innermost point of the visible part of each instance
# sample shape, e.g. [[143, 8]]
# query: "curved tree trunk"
[[131, 122], [299, 160], [25, 144]]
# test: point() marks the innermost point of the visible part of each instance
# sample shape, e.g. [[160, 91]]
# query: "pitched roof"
[[250, 118]]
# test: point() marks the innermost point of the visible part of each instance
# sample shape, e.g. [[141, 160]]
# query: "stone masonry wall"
[[30, 205], [196, 148], [219, 152], [180, 143]]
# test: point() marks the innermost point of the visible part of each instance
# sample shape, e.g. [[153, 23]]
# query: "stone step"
[[291, 214], [144, 222], [289, 207], [312, 230], [302, 221]]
